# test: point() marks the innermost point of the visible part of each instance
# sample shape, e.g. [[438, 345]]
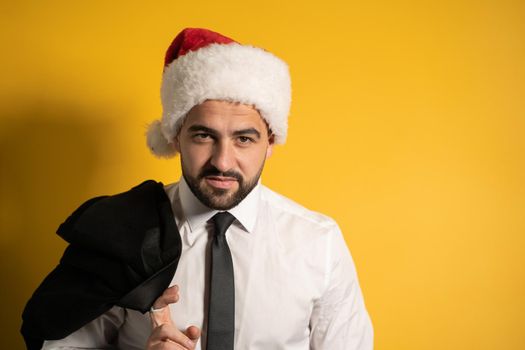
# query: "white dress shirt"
[[296, 287]]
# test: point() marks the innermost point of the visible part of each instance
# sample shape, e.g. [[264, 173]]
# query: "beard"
[[218, 198]]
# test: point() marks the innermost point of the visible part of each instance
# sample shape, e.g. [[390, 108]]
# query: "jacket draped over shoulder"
[[123, 250]]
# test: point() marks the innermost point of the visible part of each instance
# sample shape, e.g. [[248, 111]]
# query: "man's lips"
[[223, 182]]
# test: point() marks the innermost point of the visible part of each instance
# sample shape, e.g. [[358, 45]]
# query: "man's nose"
[[223, 156]]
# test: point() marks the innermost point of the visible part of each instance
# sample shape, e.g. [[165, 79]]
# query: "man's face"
[[223, 147]]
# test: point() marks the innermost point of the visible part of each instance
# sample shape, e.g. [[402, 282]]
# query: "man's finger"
[[160, 313], [193, 333], [167, 333], [170, 296]]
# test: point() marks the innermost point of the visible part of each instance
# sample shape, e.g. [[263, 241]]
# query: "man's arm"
[[339, 318], [101, 333]]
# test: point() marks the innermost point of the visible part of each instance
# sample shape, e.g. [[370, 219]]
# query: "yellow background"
[[407, 127]]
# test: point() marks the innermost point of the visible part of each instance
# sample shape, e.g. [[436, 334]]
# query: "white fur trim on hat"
[[230, 72], [157, 143]]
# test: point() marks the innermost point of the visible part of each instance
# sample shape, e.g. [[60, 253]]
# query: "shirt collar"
[[197, 214]]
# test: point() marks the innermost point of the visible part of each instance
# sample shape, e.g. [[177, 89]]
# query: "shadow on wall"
[[48, 155]]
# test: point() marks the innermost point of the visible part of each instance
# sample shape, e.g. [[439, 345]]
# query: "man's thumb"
[[160, 312]]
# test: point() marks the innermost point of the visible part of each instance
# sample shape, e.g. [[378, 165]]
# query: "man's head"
[[202, 65], [223, 146], [220, 99]]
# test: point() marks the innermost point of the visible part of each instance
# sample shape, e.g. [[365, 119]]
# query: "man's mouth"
[[222, 182]]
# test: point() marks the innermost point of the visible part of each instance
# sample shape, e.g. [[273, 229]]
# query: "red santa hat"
[[203, 65]]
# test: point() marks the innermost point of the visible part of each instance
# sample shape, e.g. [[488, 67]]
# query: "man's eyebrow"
[[249, 131], [202, 128], [199, 127]]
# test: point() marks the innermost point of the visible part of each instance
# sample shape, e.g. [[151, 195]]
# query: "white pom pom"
[[157, 143]]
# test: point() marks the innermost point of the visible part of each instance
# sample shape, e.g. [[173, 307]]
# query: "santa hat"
[[203, 65]]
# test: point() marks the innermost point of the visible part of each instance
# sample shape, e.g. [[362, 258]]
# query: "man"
[[254, 269]]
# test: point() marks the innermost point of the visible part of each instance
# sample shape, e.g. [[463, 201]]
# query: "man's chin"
[[218, 198]]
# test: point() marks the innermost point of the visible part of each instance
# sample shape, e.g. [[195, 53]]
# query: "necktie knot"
[[222, 221]]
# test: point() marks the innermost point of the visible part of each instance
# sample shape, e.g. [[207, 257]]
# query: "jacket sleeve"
[[339, 318]]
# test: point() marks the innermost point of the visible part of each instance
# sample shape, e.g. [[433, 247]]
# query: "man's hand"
[[165, 335]]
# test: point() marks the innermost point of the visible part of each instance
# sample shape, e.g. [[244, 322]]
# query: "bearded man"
[[216, 260]]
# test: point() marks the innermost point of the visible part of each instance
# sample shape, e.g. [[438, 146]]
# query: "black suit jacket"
[[123, 250]]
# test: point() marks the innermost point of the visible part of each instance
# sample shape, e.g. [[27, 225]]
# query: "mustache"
[[213, 171]]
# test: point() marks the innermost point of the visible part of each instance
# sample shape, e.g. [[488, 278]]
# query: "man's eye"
[[201, 136], [245, 139]]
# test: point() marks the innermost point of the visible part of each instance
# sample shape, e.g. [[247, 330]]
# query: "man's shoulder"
[[288, 210]]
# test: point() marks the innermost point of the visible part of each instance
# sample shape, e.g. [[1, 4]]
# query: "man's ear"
[[269, 150], [176, 143]]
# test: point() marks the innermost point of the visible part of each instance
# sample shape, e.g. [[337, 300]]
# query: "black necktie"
[[221, 310]]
